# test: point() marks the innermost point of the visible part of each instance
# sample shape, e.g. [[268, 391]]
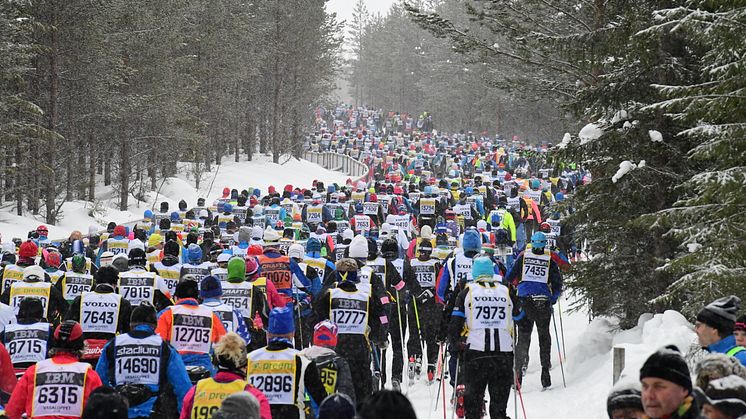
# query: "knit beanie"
[[241, 405], [281, 321], [721, 313], [482, 268], [358, 247], [337, 406], [210, 287], [145, 314], [668, 364], [623, 398], [471, 241]]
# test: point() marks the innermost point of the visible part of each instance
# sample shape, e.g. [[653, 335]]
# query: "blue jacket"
[[725, 345], [527, 289], [175, 373]]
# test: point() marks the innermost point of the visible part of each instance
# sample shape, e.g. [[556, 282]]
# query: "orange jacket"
[[165, 322]]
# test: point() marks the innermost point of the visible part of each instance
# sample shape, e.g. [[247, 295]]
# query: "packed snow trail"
[[588, 367]]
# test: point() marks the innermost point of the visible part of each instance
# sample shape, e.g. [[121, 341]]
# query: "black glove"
[[425, 296], [461, 345]]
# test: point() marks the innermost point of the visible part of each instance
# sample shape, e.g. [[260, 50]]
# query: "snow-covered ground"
[[588, 367], [259, 173]]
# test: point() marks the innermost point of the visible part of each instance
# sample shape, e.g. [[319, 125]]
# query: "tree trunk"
[[92, 153], [53, 112], [124, 174], [251, 137]]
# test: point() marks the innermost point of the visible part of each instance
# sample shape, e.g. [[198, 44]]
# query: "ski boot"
[[410, 369], [396, 384], [460, 390], [546, 379], [430, 374], [418, 366]]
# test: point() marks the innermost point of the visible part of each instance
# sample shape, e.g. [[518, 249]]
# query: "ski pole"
[[516, 385], [441, 359], [455, 399], [401, 328], [417, 319], [562, 329], [559, 352], [376, 364]]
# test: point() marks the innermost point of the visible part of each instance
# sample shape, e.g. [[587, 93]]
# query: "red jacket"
[[227, 377], [22, 399], [8, 378]]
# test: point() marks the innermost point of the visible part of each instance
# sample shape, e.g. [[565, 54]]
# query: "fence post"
[[618, 363]]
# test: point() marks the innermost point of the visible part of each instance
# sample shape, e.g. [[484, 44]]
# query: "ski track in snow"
[[588, 367]]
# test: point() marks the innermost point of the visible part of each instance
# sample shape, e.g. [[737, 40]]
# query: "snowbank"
[[259, 173], [588, 367]]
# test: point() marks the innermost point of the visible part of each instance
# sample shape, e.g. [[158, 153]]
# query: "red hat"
[[28, 249], [119, 231], [251, 265], [42, 228], [53, 259], [226, 192], [253, 250], [271, 189], [69, 335], [373, 197], [508, 176], [325, 334], [288, 188]]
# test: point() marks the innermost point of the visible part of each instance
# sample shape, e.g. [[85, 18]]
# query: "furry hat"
[[230, 352]]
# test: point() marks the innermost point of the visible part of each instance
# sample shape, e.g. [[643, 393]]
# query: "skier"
[[354, 311], [481, 330], [144, 368], [281, 373], [102, 314], [424, 313], [206, 396], [539, 283], [29, 338], [189, 328], [210, 291], [137, 285], [36, 285], [333, 369], [76, 280], [169, 268], [33, 395]]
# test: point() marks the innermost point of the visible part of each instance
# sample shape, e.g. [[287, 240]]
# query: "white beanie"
[[296, 251], [348, 234], [426, 232], [257, 233], [359, 247], [135, 244]]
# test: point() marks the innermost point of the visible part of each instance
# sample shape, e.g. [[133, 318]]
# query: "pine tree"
[[707, 219]]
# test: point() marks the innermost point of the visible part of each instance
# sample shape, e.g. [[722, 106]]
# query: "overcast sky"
[[344, 7]]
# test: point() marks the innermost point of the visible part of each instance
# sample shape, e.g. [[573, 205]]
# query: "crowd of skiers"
[[287, 302]]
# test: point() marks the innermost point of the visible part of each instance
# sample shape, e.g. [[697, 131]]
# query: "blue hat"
[[471, 241], [281, 321], [227, 208], [174, 216], [535, 184], [313, 245], [469, 190], [147, 214], [78, 246], [539, 240], [220, 206], [428, 190], [559, 197], [210, 287], [194, 252], [482, 268]]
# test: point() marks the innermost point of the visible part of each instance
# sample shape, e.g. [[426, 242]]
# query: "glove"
[[425, 296], [520, 316], [461, 345]]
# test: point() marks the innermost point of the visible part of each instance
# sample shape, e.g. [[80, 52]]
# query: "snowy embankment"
[[259, 173], [588, 367]]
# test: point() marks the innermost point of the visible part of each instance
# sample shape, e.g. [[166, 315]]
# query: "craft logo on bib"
[[238, 298]]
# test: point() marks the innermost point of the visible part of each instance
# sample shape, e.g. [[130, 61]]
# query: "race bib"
[[536, 269], [58, 389], [275, 378], [99, 313], [191, 333], [137, 361], [427, 206], [76, 285], [137, 289]]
